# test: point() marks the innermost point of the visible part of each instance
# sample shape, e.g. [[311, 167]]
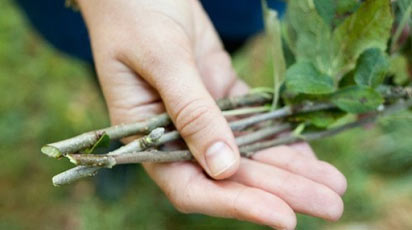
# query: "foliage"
[[340, 53], [371, 68], [357, 99], [303, 77]]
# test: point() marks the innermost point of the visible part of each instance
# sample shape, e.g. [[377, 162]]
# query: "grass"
[[47, 96]]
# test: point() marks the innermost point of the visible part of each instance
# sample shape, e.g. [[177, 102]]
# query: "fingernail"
[[219, 157]]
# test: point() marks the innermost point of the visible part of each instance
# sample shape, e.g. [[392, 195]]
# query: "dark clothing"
[[235, 20]]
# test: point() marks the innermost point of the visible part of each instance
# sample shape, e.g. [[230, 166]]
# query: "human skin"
[[156, 55]]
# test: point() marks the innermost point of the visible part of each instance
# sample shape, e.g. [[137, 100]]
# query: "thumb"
[[194, 112], [200, 122]]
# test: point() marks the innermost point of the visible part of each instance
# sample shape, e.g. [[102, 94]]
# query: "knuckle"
[[194, 117]]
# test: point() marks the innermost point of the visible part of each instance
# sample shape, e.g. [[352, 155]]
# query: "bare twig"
[[77, 143], [183, 155], [280, 113], [83, 171], [88, 139], [246, 111], [95, 163], [140, 144], [246, 151], [262, 134], [245, 100], [78, 173], [85, 140], [107, 160]]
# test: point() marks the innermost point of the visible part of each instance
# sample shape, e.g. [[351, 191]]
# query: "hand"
[[149, 51]]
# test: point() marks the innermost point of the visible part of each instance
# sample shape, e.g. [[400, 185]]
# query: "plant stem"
[[246, 151], [245, 100], [402, 24], [183, 155], [104, 160], [82, 141], [262, 134], [85, 140], [78, 173], [136, 146], [246, 111], [154, 138], [279, 113]]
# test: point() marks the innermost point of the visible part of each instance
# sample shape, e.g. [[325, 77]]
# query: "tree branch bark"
[[248, 150], [86, 140], [73, 145], [183, 155], [96, 163]]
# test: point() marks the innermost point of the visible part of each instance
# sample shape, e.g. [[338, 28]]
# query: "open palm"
[[161, 55]]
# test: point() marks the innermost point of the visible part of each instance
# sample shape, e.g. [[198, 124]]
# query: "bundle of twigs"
[[259, 124]]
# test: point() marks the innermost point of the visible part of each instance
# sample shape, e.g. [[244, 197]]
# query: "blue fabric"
[[59, 25], [235, 20]]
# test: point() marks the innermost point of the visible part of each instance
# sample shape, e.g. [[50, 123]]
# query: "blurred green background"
[[46, 96]]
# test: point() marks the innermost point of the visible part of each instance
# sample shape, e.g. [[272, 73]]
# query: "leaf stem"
[[245, 111], [404, 20]]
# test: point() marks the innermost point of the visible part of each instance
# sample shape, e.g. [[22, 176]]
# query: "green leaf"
[[371, 68], [347, 80], [308, 35], [357, 99], [289, 35], [370, 26], [303, 77], [319, 119], [273, 30], [103, 141], [298, 130], [326, 9], [398, 67], [343, 120]]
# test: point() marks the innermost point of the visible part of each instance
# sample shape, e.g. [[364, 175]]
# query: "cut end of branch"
[[73, 174], [51, 151], [57, 181]]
